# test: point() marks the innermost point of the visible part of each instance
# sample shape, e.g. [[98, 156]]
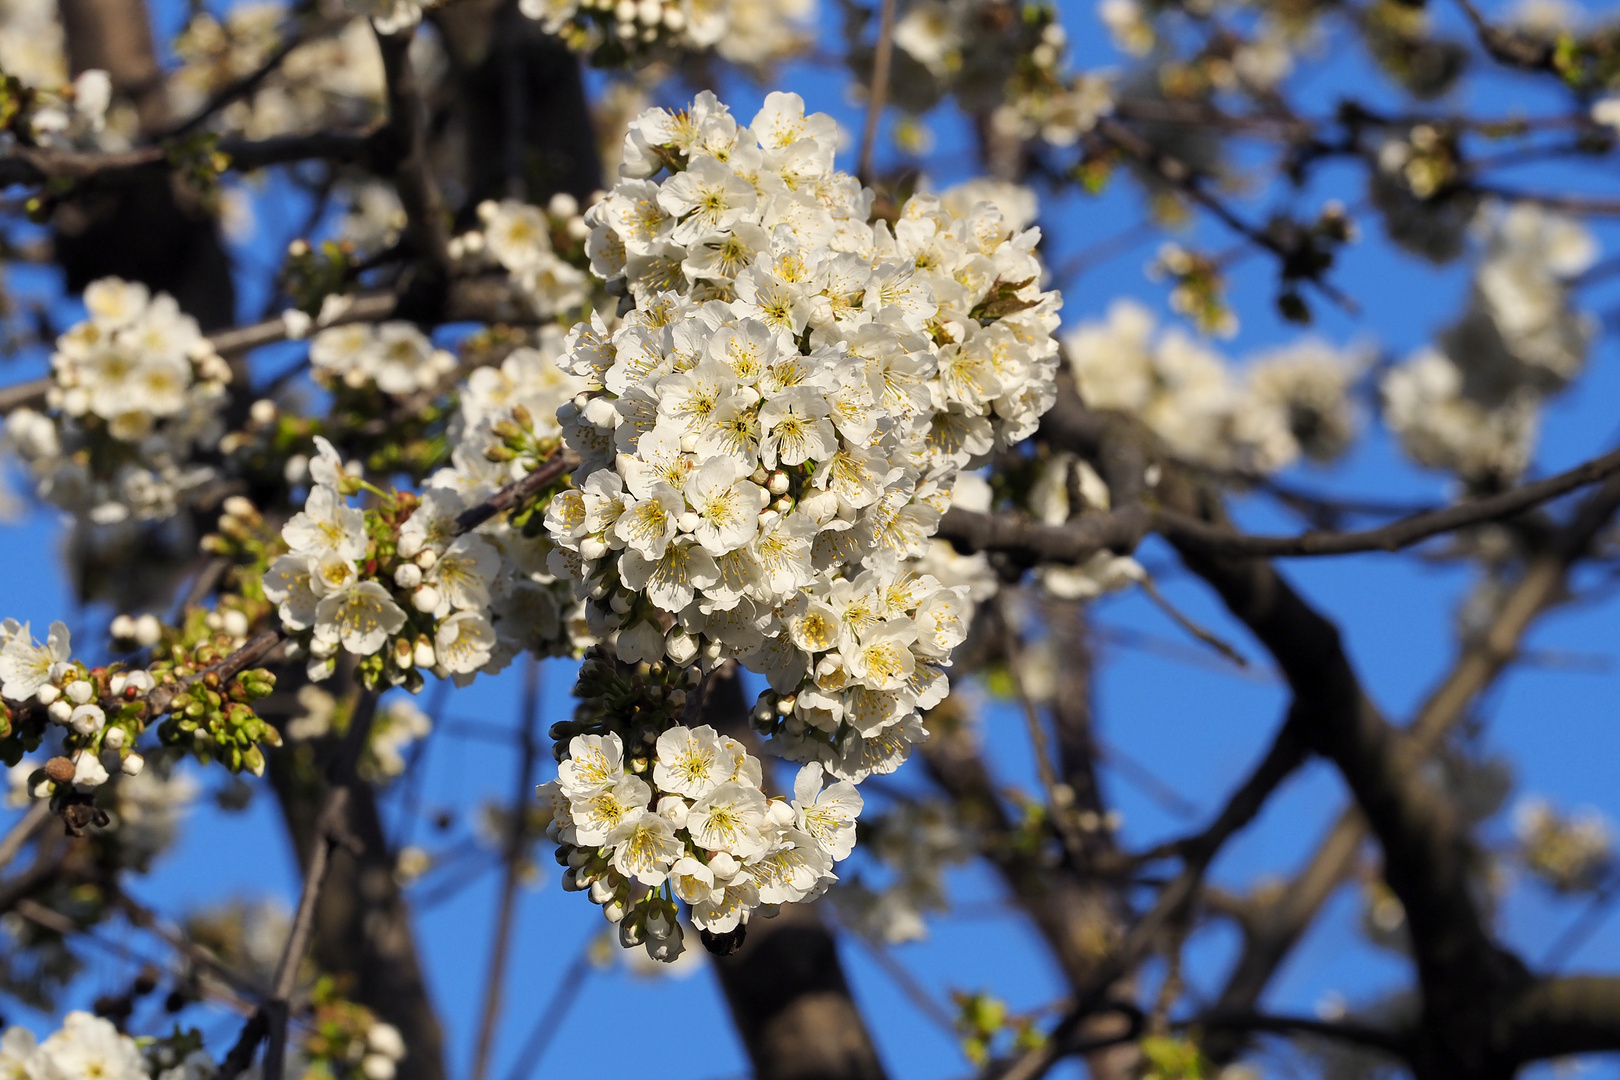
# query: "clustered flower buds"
[[137, 392]]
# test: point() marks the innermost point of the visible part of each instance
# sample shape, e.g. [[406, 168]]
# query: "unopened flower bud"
[[613, 911], [263, 412], [114, 739], [80, 691], [60, 711], [122, 628], [425, 599], [408, 576], [427, 558], [87, 719], [148, 631], [404, 653], [133, 764], [724, 865], [777, 484], [48, 693], [424, 655], [601, 892]]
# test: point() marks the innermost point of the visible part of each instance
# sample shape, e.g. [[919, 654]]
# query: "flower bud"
[[87, 719], [781, 813], [60, 712], [613, 911], [48, 693], [79, 691], [408, 576], [570, 880], [425, 599], [114, 739], [778, 483], [427, 558], [424, 655], [668, 949], [724, 865], [133, 764], [601, 892], [404, 653], [680, 647], [122, 628], [673, 809], [148, 631], [631, 934], [263, 412]]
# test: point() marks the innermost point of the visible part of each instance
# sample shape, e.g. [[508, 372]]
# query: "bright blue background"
[[1197, 727]]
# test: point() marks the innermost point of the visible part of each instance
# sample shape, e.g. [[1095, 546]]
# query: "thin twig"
[[23, 831], [1060, 809], [551, 1016], [1208, 637], [1218, 540], [517, 841], [331, 831], [882, 59]]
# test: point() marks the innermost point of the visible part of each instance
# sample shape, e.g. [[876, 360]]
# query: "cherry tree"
[[610, 338]]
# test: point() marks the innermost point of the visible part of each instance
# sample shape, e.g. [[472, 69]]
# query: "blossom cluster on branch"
[[137, 396], [687, 819]]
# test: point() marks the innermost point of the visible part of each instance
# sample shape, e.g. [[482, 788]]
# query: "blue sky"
[[1196, 728]]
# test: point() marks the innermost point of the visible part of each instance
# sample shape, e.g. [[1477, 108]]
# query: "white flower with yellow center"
[[25, 666], [361, 618], [729, 819], [644, 847], [827, 814], [598, 813], [594, 763]]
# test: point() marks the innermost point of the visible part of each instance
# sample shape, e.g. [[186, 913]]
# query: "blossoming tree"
[[807, 454]]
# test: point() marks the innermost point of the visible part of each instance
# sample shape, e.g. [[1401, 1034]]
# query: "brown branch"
[[1390, 1042], [246, 84], [1483, 660], [1194, 534], [1032, 542], [882, 59], [517, 842], [23, 831], [37, 165], [332, 831], [517, 492], [404, 152]]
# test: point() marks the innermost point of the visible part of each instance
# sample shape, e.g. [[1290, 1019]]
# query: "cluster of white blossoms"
[[1289, 403], [773, 431], [137, 391], [1013, 69], [523, 240], [1571, 852], [408, 586], [395, 357], [331, 80], [687, 819], [85, 1046], [915, 843], [753, 33], [1470, 405], [91, 706]]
